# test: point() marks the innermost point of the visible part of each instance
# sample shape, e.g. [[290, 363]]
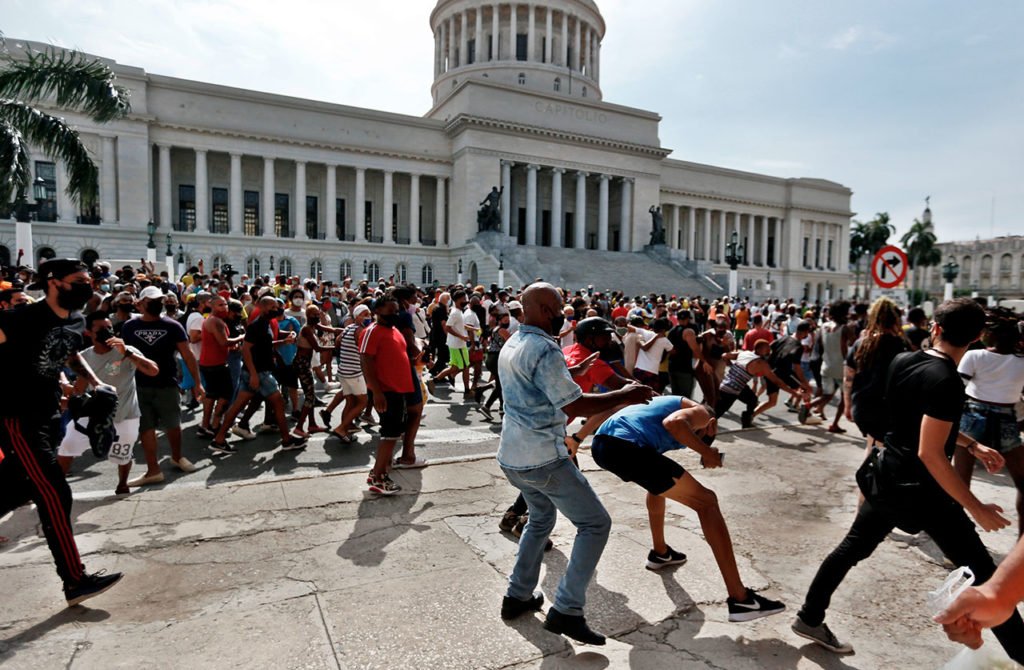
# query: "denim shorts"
[[268, 384], [992, 425]]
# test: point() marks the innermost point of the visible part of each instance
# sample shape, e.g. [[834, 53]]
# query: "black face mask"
[[389, 320], [74, 298], [556, 324], [154, 307], [103, 335], [171, 309]]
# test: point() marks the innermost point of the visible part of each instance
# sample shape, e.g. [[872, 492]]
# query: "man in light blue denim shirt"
[[539, 393]]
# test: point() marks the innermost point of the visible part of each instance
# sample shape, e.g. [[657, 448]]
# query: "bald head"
[[541, 304]]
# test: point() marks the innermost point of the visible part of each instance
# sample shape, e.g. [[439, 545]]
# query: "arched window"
[[346, 269], [316, 268], [1006, 263], [428, 275], [44, 254], [986, 263], [400, 273], [252, 266], [558, 84], [373, 272], [522, 79], [5, 256], [218, 262], [89, 256], [284, 267]]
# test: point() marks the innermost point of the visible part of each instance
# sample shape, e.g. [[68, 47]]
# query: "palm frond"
[[55, 138], [67, 78], [14, 162]]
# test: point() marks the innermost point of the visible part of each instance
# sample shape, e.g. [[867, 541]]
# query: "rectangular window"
[[471, 52], [339, 218], [828, 258], [312, 229], [186, 208], [220, 223], [567, 240], [817, 254], [806, 252], [544, 49], [394, 222], [490, 47], [520, 231], [771, 252], [368, 222], [48, 207], [251, 214], [545, 228], [521, 45], [281, 227]]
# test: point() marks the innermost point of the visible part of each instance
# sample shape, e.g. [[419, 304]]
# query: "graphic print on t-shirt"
[[57, 345], [150, 337]]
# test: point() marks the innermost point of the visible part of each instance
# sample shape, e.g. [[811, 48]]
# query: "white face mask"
[[297, 302], [411, 309]]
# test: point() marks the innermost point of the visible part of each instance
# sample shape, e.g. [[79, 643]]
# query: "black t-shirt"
[[917, 336], [785, 354], [38, 345], [680, 359], [261, 337], [158, 341], [868, 389], [919, 385]]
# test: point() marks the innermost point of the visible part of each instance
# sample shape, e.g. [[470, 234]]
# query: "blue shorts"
[[993, 425], [268, 384]]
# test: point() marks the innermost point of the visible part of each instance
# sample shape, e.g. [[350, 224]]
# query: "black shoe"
[[222, 448], [754, 607], [90, 586], [747, 419], [508, 521], [670, 557], [572, 626], [478, 395], [512, 608], [325, 416]]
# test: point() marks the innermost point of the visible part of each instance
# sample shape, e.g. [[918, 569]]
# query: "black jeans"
[[725, 401], [491, 363], [947, 524], [30, 471]]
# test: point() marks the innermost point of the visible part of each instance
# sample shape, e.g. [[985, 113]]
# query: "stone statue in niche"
[[488, 217], [657, 225]]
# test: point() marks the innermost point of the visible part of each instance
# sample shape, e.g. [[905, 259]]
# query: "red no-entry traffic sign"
[[889, 267]]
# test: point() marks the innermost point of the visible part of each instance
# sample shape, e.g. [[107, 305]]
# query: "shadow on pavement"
[[73, 615], [380, 520]]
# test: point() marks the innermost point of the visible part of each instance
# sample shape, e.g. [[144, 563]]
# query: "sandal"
[[317, 429]]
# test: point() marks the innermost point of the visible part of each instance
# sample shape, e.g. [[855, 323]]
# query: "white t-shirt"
[[457, 324], [650, 360], [194, 324], [994, 377], [513, 325], [472, 323]]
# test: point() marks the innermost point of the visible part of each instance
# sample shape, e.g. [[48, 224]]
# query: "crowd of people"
[[643, 375]]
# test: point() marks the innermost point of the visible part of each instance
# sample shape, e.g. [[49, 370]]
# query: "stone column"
[[464, 39], [108, 181], [513, 30], [626, 216], [602, 213], [531, 203], [777, 259], [557, 218], [673, 243], [495, 32], [439, 210], [548, 46], [691, 219], [721, 235], [235, 195], [164, 175], [451, 43], [580, 217], [707, 234], [389, 197], [748, 245], [300, 201], [576, 45], [479, 36], [563, 48], [437, 52], [330, 208], [597, 57], [202, 193], [360, 208], [586, 51], [268, 197], [506, 197], [531, 35], [764, 241], [414, 209]]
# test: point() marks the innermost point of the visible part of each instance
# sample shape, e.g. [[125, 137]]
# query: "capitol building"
[[278, 185]]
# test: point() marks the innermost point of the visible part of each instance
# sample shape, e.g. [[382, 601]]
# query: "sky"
[[896, 100]]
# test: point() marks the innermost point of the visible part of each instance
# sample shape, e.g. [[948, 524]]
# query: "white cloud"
[[869, 39]]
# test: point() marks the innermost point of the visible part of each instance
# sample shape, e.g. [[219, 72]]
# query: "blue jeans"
[[552, 488]]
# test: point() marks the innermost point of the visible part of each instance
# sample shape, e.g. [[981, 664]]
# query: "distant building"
[[280, 185], [993, 267]]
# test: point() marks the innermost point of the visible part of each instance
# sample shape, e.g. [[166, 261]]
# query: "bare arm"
[[650, 343], [680, 425], [590, 404], [82, 370], [190, 363]]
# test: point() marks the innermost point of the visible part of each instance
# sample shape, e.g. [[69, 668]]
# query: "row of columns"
[[557, 209], [451, 39], [823, 233], [742, 223], [235, 198]]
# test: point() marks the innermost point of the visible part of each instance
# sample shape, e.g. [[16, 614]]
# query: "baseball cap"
[[515, 304], [56, 268], [592, 327], [360, 309], [151, 293]]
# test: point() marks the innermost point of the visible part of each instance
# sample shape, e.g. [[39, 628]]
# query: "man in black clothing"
[[918, 331], [683, 337], [784, 359], [911, 484], [36, 343]]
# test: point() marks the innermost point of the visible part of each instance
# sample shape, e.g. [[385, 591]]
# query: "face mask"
[[74, 298], [154, 307], [124, 307], [506, 323], [389, 320], [205, 310], [105, 288], [171, 309], [297, 302], [411, 309], [621, 331], [103, 335], [556, 324], [367, 322]]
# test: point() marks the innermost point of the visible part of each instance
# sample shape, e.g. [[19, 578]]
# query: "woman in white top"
[[995, 378]]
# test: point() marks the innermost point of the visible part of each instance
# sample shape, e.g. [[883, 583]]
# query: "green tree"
[[919, 243], [65, 80], [858, 248], [866, 239]]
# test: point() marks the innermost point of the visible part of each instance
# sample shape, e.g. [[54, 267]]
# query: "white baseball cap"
[[151, 293], [515, 304]]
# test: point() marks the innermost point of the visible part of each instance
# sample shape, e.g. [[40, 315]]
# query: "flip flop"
[[343, 438], [420, 462]]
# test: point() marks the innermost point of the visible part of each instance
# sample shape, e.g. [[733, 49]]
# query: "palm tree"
[[919, 242], [66, 80], [866, 239], [858, 248]]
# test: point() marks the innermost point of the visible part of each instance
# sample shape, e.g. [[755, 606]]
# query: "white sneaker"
[[813, 421], [243, 433], [184, 464], [265, 428]]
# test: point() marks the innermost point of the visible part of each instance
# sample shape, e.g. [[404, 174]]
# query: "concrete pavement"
[[304, 571]]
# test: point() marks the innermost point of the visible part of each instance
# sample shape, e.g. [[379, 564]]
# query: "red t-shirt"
[[598, 373], [754, 335], [211, 353], [621, 310], [387, 348]]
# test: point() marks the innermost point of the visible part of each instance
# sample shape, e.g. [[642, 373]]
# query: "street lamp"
[[733, 256], [181, 260], [366, 270], [501, 270], [150, 243], [828, 292], [169, 261], [271, 262], [460, 272], [768, 283], [949, 272], [23, 212]]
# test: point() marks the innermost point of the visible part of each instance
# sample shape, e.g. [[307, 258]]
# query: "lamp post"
[[459, 280], [949, 272], [366, 270], [169, 261], [150, 244], [733, 256], [828, 292], [23, 212], [181, 261], [768, 284], [501, 270], [271, 263]]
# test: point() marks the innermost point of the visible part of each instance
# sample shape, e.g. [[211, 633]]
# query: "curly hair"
[[883, 319], [1003, 331]]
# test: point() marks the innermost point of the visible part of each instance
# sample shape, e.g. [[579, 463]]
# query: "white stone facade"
[[991, 267], [212, 166]]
